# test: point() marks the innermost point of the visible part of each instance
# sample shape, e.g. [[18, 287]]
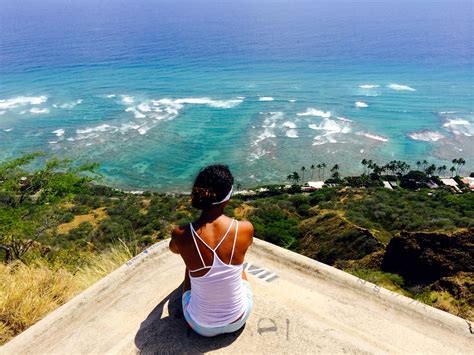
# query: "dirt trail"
[[301, 306]]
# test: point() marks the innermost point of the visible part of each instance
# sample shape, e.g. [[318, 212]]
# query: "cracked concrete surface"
[[300, 306]]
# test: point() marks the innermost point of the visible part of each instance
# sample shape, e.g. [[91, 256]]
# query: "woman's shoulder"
[[245, 226], [179, 232]]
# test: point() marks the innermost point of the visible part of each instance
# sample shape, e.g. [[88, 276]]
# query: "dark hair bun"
[[212, 184]]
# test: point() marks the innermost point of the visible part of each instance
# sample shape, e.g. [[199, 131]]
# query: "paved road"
[[301, 306]]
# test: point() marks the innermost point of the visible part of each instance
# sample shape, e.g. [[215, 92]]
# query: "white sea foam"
[[68, 105], [292, 100], [144, 107], [291, 133], [426, 136], [8, 129], [323, 139], [38, 111], [360, 104], [330, 127], [209, 102], [256, 154], [460, 126], [126, 99], [128, 126], [344, 119], [369, 86], [265, 98], [8, 104], [372, 136], [289, 124], [147, 114], [101, 128], [143, 129], [111, 96], [93, 132], [315, 112], [267, 133], [136, 113], [59, 132], [399, 87], [269, 125]]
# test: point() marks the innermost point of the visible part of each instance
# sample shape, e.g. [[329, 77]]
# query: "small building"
[[316, 185], [387, 185], [432, 185], [469, 181], [393, 184], [451, 183]]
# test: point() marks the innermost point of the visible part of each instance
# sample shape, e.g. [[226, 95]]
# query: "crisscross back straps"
[[235, 239], [194, 235]]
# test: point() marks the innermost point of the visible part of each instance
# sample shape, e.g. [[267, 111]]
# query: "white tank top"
[[218, 297]]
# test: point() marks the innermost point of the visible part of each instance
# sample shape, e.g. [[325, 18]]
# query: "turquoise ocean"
[[154, 90]]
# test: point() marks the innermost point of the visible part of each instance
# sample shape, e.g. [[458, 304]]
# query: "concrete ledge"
[[301, 305], [316, 269]]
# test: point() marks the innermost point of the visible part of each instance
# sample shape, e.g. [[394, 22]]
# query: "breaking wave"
[[315, 112], [360, 104], [399, 87], [426, 136], [372, 136]]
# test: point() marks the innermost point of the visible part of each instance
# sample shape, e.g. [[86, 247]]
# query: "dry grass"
[[243, 211], [93, 218], [29, 292], [102, 265]]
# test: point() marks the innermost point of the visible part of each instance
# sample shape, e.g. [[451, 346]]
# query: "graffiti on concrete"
[[260, 272], [268, 325]]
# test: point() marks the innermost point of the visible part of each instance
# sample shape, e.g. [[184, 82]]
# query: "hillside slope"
[[301, 305]]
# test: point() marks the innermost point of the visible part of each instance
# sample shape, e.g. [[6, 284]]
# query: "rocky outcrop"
[[461, 286], [330, 238], [423, 257]]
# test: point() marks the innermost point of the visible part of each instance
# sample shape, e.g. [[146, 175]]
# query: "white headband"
[[227, 198]]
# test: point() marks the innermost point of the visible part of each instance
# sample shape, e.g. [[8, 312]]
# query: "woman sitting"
[[217, 297]]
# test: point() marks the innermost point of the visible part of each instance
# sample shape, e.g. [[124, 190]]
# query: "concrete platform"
[[301, 306]]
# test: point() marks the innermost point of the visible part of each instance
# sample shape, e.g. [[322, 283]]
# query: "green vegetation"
[[60, 231]]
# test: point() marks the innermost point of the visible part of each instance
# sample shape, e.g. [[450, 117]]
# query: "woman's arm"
[[174, 238]]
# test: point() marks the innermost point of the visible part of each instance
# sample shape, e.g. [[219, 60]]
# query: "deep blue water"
[[156, 89]]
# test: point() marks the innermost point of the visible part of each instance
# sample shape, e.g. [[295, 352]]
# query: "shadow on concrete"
[[171, 334]]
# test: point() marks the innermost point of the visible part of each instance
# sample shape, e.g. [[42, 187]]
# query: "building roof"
[[316, 184], [449, 182]]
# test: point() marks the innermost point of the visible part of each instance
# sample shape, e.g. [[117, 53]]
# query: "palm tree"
[[441, 169], [335, 172], [323, 165], [430, 170], [302, 170], [364, 164], [312, 171], [425, 164], [296, 177], [418, 164], [458, 164], [289, 178], [452, 170], [370, 165], [319, 166]]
